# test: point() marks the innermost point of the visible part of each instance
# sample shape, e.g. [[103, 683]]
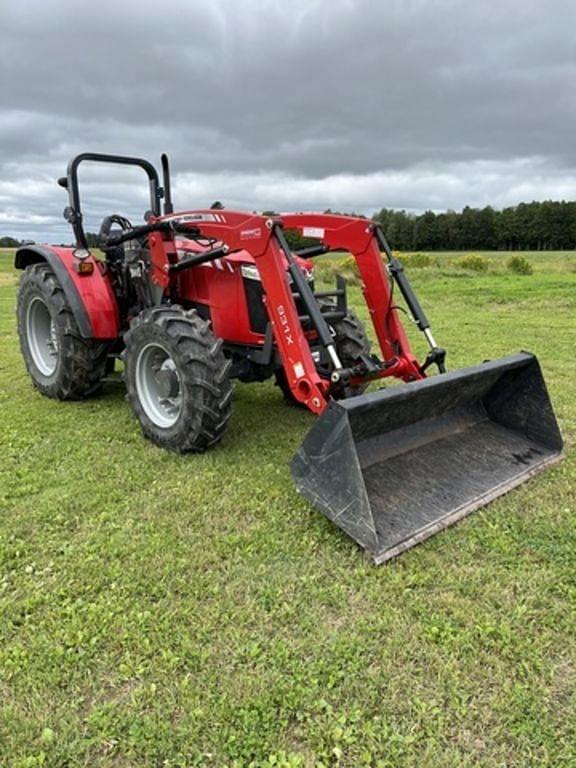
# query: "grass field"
[[158, 610]]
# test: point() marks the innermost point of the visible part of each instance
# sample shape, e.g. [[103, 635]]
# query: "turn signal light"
[[84, 267]]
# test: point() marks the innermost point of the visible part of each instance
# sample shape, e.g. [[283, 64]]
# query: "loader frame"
[[264, 238]]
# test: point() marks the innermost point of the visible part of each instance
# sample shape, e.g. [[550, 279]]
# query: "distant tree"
[[506, 229], [398, 228], [92, 240], [426, 232], [9, 242]]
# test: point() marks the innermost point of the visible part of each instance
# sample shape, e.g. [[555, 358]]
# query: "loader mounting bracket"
[[436, 356]]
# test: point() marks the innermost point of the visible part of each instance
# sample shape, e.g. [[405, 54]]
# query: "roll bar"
[[73, 213]]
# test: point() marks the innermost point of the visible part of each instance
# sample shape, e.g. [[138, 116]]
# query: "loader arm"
[[365, 241], [262, 238]]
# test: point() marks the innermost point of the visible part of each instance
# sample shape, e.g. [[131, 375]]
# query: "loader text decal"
[[313, 232], [284, 324]]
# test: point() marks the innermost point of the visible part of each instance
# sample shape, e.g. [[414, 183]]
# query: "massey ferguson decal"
[[251, 234]]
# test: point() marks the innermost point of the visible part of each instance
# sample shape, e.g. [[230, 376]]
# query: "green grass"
[[158, 610]]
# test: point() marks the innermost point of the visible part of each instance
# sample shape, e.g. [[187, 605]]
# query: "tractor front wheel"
[[177, 379], [351, 342], [60, 362]]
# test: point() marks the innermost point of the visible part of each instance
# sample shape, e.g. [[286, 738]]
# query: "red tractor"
[[191, 300]]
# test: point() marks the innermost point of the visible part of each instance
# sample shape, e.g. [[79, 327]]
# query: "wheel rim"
[[158, 385], [42, 336]]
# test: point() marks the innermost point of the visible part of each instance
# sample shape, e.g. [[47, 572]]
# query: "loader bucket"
[[393, 467]]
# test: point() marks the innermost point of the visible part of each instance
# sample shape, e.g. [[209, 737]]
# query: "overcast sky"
[[287, 104]]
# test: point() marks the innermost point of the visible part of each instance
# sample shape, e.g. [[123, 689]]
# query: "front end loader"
[[193, 299]]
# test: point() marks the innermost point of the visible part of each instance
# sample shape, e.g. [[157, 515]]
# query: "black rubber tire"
[[81, 363], [203, 373], [351, 342]]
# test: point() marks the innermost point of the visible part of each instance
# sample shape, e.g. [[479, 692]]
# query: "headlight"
[[250, 271]]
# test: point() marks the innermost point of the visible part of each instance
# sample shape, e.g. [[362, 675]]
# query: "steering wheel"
[[106, 227]]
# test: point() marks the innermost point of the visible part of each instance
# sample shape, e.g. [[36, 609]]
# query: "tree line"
[[536, 226]]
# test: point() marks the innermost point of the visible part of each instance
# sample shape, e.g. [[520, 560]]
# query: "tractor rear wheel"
[[177, 379], [351, 343], [60, 362]]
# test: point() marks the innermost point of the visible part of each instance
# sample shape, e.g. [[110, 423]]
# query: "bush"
[[417, 260], [323, 271], [475, 262], [326, 269], [348, 265], [519, 265]]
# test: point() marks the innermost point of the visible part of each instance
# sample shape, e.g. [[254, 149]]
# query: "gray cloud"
[[351, 104]]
